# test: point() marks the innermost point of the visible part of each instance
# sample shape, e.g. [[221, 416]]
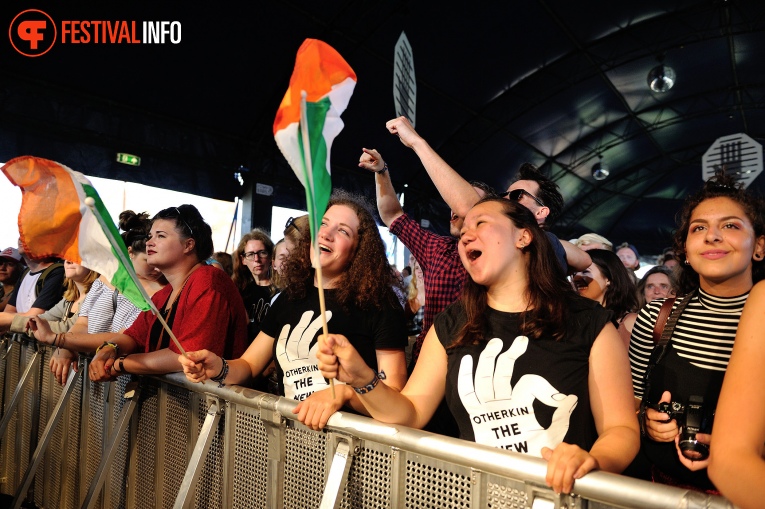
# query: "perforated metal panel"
[[250, 460], [118, 473], [27, 411], [209, 488], [369, 478], [436, 484], [95, 439], [70, 477], [305, 452], [505, 493], [176, 443], [146, 447], [48, 478], [9, 450]]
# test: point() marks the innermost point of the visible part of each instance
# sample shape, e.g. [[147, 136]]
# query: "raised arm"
[[455, 190], [577, 259], [387, 201]]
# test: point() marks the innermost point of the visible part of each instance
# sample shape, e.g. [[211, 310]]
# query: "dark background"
[[555, 83]]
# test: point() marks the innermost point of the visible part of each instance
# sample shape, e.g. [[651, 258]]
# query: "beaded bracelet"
[[222, 375], [384, 169]]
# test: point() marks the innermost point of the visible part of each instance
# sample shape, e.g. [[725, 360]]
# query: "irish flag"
[[322, 82], [56, 221]]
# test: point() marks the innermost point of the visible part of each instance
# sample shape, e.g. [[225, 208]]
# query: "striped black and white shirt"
[[101, 312], [703, 335]]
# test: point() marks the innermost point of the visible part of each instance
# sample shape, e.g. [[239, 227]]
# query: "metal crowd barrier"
[[165, 442]]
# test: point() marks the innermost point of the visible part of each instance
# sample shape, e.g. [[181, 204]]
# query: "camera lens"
[[692, 448]]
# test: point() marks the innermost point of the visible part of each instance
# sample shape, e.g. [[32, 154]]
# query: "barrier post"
[[206, 435]]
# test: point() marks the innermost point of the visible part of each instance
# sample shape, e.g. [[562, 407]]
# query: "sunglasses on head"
[[291, 222], [168, 214], [517, 194]]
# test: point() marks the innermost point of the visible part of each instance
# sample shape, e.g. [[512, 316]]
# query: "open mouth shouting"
[[473, 254]]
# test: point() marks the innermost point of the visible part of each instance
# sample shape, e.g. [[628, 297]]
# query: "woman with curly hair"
[[524, 363], [360, 304], [608, 282], [252, 276], [720, 244]]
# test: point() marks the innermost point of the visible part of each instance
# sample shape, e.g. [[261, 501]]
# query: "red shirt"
[[210, 315], [442, 269]]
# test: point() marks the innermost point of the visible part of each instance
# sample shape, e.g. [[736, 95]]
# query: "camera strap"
[[662, 333]]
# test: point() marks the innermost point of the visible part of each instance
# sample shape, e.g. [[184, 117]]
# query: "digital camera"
[[692, 418]]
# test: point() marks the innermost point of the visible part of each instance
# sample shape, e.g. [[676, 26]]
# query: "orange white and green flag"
[[57, 219], [320, 87]]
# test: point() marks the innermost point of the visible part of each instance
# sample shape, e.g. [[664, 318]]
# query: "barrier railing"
[[165, 442]]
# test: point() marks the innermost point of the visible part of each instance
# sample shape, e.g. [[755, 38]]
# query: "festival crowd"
[[520, 340]]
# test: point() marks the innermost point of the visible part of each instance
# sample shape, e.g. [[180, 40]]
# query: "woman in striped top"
[[720, 242]]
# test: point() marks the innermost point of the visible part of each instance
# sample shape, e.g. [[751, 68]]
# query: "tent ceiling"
[[554, 83]]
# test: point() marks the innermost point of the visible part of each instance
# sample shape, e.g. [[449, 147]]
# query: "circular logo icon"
[[32, 33]]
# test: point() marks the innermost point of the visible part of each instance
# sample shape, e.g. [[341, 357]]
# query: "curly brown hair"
[[549, 295], [368, 280], [720, 185], [242, 276]]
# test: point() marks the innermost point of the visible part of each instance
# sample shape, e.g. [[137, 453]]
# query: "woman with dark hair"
[[135, 229], [525, 363], [360, 304], [720, 243], [609, 283], [200, 304], [658, 283], [252, 276]]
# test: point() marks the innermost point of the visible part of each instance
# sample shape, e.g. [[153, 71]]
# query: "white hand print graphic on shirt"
[[297, 357], [502, 415]]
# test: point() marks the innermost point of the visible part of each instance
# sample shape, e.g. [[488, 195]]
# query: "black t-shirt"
[[51, 292], [257, 301], [520, 394], [298, 323]]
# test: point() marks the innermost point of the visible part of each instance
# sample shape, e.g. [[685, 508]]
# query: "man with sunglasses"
[[531, 189]]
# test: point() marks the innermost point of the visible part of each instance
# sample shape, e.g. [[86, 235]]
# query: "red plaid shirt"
[[442, 269]]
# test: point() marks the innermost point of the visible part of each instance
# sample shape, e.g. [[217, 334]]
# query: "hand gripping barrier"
[[178, 444]]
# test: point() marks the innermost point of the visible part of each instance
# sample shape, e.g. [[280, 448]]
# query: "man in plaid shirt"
[[442, 268]]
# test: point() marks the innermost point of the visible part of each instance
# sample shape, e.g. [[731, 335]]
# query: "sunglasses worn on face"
[[250, 255], [517, 194]]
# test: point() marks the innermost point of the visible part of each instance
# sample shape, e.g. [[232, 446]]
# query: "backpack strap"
[[41, 280]]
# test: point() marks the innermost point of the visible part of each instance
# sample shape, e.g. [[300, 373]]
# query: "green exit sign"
[[128, 159]]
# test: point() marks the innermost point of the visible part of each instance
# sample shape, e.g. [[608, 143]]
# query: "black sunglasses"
[[517, 194], [290, 222]]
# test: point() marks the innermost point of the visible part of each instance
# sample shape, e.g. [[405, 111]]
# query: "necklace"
[[168, 309]]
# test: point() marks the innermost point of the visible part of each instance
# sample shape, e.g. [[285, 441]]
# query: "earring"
[[758, 256], [687, 262]]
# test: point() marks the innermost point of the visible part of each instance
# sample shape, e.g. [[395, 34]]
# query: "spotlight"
[[600, 170], [661, 78]]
